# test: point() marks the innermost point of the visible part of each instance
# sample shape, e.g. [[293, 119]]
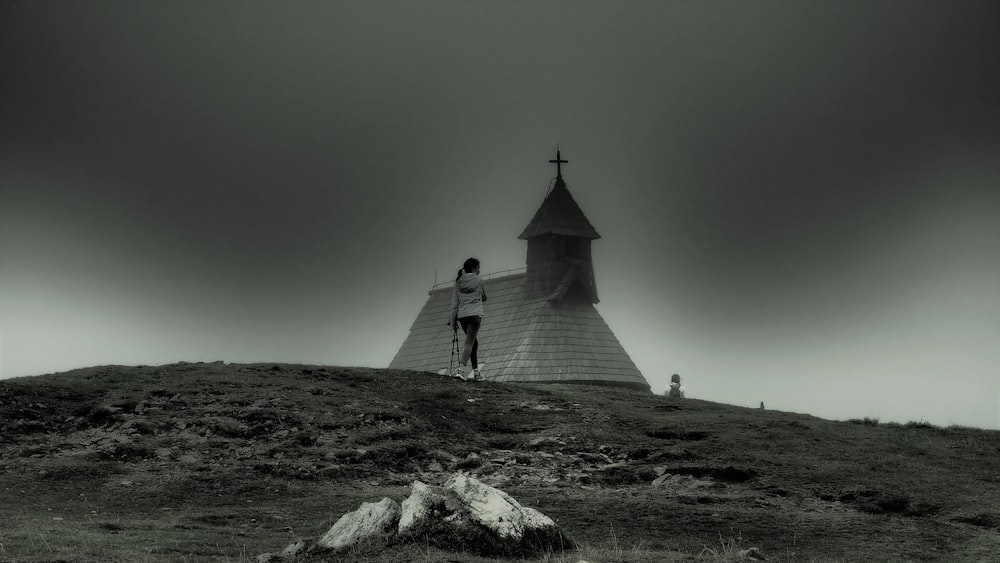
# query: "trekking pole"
[[454, 348]]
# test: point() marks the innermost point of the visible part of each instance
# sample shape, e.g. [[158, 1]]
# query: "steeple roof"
[[559, 214]]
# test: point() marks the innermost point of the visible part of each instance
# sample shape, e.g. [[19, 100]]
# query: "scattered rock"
[[464, 515], [419, 507], [293, 549], [444, 456], [595, 458], [290, 553], [751, 554], [496, 510], [371, 520], [546, 441], [683, 483], [188, 459]]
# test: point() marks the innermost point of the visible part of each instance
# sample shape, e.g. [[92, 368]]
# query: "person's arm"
[[482, 287], [454, 308]]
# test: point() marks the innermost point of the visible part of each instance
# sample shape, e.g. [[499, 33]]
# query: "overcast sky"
[[799, 201]]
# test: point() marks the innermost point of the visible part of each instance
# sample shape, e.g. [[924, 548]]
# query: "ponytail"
[[469, 265]]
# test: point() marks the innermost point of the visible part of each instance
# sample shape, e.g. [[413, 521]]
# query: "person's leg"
[[471, 327], [460, 368], [475, 361]]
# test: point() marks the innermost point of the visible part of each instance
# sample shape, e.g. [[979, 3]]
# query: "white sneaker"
[[459, 373], [477, 375]]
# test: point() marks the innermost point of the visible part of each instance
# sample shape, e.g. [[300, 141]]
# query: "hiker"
[[675, 390], [467, 310]]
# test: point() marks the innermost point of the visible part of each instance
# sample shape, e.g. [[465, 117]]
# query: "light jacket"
[[467, 297]]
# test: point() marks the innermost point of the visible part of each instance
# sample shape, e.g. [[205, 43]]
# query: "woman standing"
[[467, 310]]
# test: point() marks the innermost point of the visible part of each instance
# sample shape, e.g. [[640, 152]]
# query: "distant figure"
[[762, 405], [467, 310], [676, 389]]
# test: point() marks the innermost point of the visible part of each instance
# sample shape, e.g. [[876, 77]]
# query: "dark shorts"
[[466, 322]]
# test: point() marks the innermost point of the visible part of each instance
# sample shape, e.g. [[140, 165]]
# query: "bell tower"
[[559, 263]]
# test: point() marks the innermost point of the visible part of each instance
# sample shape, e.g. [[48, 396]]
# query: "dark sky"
[[799, 201]]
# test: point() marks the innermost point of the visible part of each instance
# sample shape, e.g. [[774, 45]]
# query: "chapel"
[[539, 326]]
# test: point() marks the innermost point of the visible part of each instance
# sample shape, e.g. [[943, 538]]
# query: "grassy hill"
[[221, 462]]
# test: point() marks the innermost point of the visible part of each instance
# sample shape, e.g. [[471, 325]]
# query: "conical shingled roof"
[[523, 340], [559, 214]]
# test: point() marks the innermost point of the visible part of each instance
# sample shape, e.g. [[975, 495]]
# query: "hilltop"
[[221, 462]]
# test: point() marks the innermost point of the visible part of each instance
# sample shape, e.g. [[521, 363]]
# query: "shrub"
[[867, 421]]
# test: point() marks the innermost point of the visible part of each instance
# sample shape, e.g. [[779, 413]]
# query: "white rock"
[[293, 549], [371, 519], [418, 507], [466, 507], [495, 509]]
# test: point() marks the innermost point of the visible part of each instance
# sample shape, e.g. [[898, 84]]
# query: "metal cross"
[[559, 161]]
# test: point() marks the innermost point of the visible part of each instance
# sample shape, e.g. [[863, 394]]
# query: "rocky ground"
[[261, 454]]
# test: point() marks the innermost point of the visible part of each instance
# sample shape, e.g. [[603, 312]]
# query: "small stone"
[[293, 549], [752, 554], [444, 456]]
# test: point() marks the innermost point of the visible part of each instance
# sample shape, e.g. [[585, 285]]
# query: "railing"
[[498, 273], [504, 272]]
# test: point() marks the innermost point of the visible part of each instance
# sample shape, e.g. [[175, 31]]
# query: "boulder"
[[465, 515], [491, 523], [370, 520], [495, 509], [420, 507]]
